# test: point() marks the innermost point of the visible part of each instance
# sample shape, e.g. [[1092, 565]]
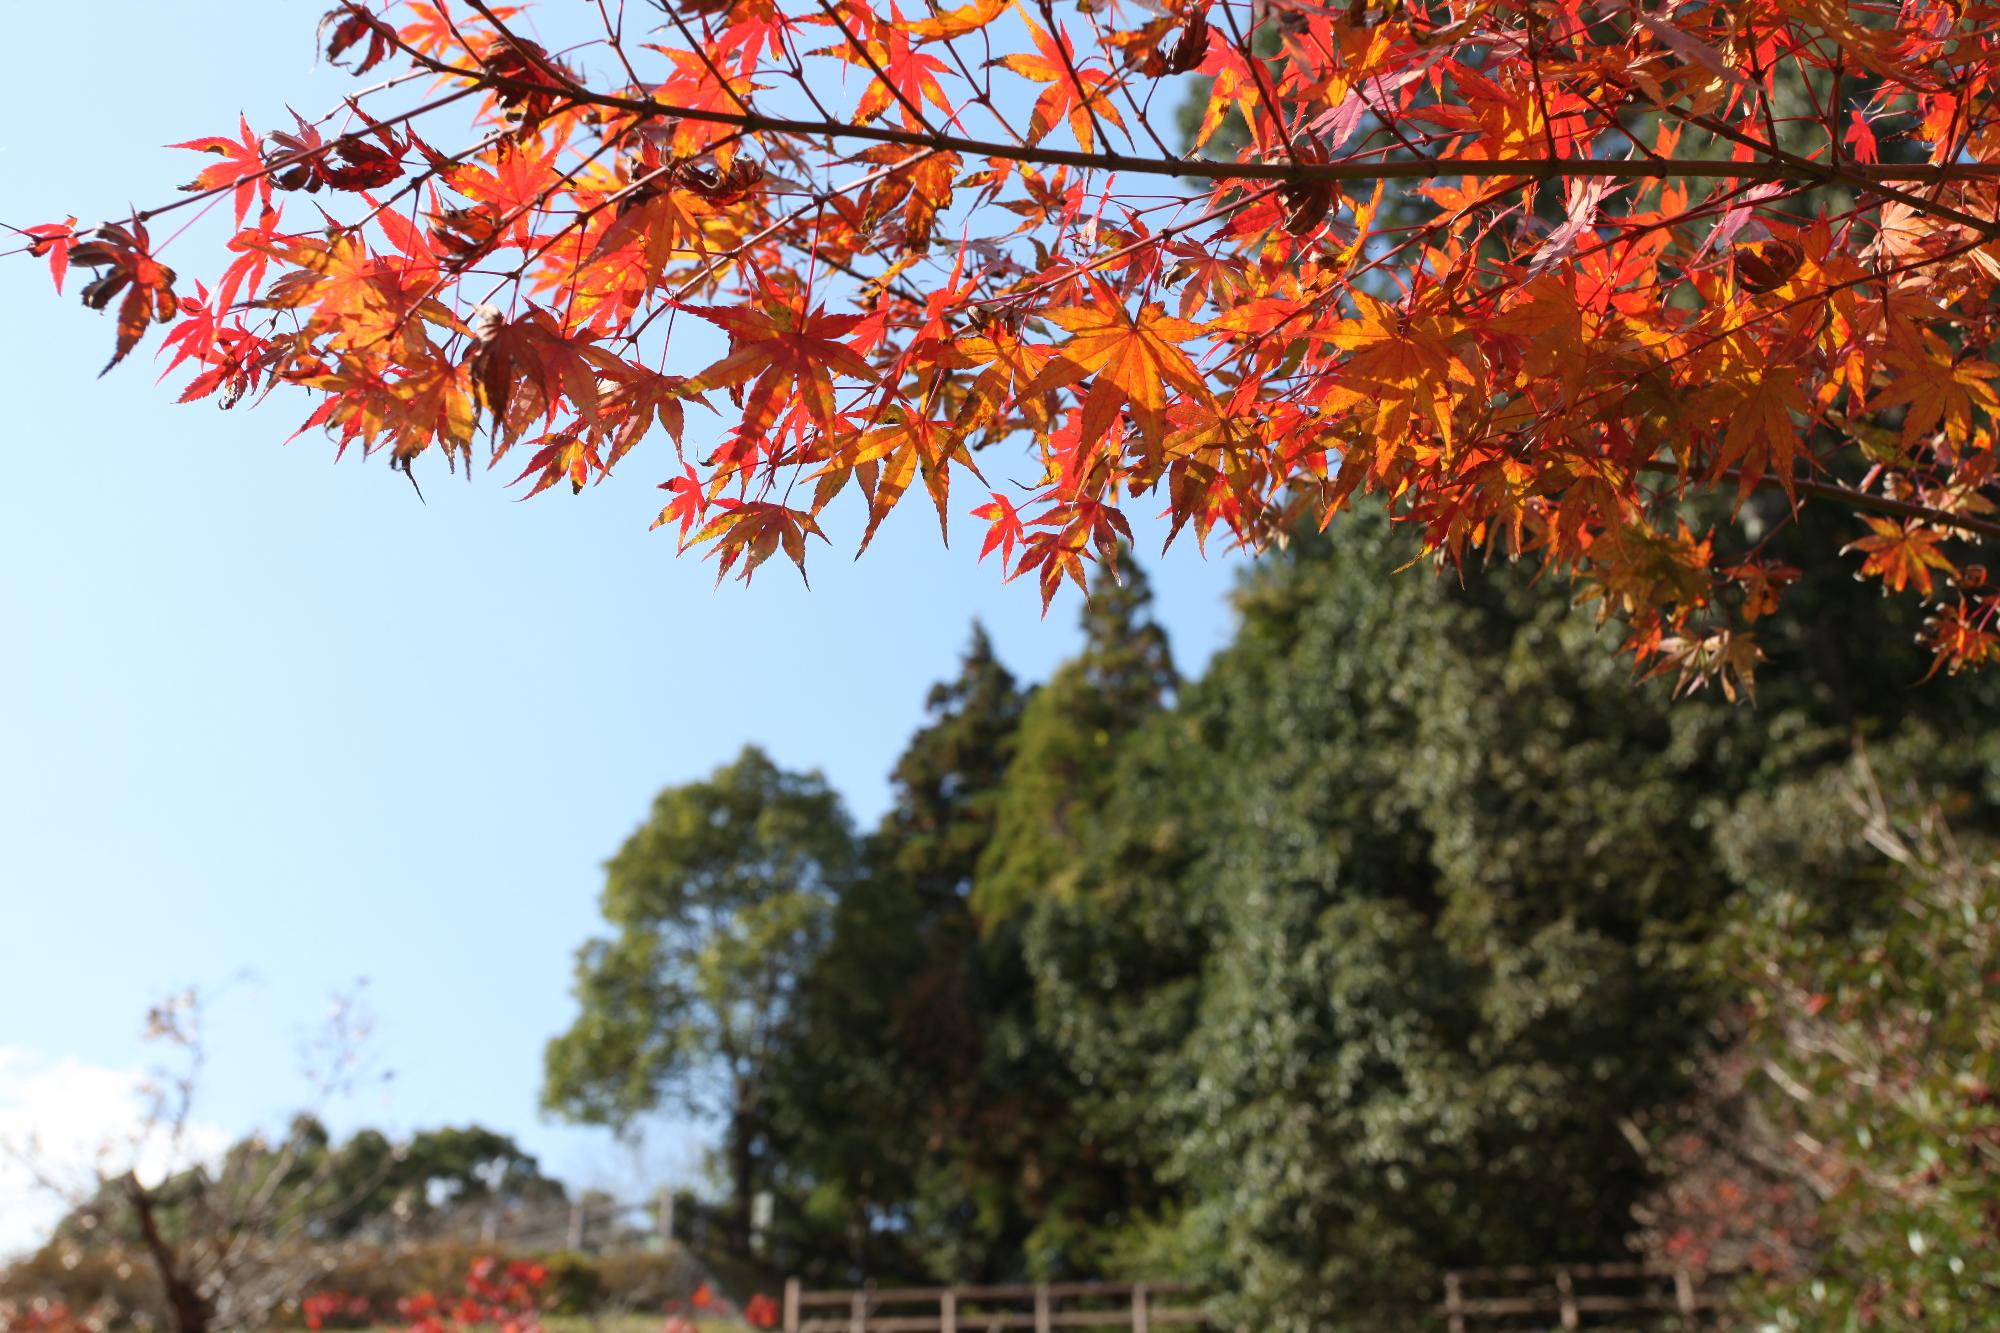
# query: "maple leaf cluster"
[[1541, 275]]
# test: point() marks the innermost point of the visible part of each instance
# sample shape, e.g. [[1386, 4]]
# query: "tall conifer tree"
[[883, 1073], [1070, 734]]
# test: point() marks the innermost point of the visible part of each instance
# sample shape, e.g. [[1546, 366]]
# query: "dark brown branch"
[[1853, 175], [1780, 167], [1862, 500], [1882, 504], [189, 1309]]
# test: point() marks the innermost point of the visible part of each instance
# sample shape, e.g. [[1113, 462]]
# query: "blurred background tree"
[[719, 903]]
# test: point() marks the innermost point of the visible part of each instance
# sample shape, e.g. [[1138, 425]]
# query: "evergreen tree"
[[881, 1066], [930, 1122], [1026, 1186], [1404, 904], [1070, 735], [1118, 964]]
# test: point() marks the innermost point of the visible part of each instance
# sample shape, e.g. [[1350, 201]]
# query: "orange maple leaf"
[[125, 253], [788, 353], [753, 530], [1132, 361], [1941, 389], [1005, 530], [1076, 92], [1901, 553]]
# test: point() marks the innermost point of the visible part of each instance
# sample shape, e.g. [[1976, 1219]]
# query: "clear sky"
[[269, 725]]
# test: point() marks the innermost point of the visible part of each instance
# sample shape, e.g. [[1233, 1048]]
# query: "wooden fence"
[[1575, 1296], [1138, 1306], [1578, 1296]]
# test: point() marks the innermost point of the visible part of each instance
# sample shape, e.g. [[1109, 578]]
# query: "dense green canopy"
[[1394, 942]]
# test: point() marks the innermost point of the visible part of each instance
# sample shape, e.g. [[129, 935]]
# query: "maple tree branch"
[[277, 164], [528, 51], [1882, 504], [1141, 113], [1872, 180], [1623, 303], [1853, 499], [820, 200], [573, 225], [982, 94], [1541, 93], [700, 50], [614, 37], [1266, 95], [1862, 279], [1110, 257], [1780, 167]]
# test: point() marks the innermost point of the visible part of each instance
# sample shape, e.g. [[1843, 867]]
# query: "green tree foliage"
[[1853, 1158], [882, 1063], [463, 1171], [932, 1127], [1404, 928], [1070, 735], [922, 1010], [1032, 1180], [312, 1185], [718, 903], [1391, 944], [1396, 926], [1118, 959]]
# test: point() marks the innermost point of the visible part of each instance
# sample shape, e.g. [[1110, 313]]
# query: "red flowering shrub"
[[506, 1297], [336, 1309]]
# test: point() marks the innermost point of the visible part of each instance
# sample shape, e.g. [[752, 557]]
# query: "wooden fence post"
[[1566, 1293], [1684, 1291], [1454, 1303], [857, 1313], [791, 1305], [1041, 1307], [1141, 1316], [948, 1311]]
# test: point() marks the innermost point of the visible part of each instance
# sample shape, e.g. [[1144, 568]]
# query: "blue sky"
[[269, 724]]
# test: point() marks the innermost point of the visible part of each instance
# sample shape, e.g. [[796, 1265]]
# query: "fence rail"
[[1043, 1307], [1573, 1296], [1575, 1293]]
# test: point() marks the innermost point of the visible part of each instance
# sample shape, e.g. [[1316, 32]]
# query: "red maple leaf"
[[1006, 529], [242, 167], [54, 239]]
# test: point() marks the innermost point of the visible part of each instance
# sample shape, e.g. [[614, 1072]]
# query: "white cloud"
[[62, 1123]]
